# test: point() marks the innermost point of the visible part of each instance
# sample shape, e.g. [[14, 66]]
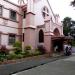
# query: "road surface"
[[59, 67]]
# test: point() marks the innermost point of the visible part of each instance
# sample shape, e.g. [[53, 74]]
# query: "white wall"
[[39, 20], [4, 40]]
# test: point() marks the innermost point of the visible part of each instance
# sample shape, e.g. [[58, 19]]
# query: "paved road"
[[60, 67]]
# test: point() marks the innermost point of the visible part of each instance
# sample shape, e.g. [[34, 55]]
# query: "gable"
[[38, 6]]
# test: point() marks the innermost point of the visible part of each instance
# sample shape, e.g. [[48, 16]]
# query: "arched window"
[[45, 12], [41, 36]]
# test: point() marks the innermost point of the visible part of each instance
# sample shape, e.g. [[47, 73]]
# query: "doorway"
[[57, 46]]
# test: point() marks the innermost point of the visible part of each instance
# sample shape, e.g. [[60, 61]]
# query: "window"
[[12, 39], [24, 14], [45, 12], [0, 10], [13, 15], [41, 36]]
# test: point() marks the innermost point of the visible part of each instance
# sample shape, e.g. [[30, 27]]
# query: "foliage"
[[4, 50], [19, 56], [26, 53], [14, 56], [2, 56], [17, 44], [37, 52], [68, 25], [17, 50], [11, 56], [42, 49], [28, 47], [18, 47]]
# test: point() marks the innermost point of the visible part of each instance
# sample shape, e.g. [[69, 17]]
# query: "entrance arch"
[[57, 41], [56, 32], [41, 36]]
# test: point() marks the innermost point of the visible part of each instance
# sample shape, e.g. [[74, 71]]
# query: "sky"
[[61, 7]]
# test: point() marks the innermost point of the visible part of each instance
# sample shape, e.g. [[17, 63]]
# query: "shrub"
[[2, 57], [42, 49], [17, 44], [19, 56], [4, 50], [28, 47], [17, 51], [11, 56], [37, 52], [23, 53], [26, 53], [18, 47]]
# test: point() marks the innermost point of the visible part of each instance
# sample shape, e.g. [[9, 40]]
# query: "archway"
[[57, 41], [56, 32], [41, 47], [41, 36]]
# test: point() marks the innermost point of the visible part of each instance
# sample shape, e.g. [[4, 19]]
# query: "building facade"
[[33, 23]]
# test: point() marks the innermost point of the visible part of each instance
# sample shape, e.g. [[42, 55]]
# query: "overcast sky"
[[61, 7]]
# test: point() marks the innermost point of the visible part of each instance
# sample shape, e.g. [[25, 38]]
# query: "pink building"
[[33, 23]]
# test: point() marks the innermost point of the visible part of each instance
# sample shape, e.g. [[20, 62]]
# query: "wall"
[[39, 20], [6, 25], [38, 11]]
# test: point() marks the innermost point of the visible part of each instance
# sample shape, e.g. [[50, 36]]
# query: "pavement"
[[10, 69], [64, 66]]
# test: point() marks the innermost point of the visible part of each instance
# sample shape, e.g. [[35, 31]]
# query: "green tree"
[[67, 23]]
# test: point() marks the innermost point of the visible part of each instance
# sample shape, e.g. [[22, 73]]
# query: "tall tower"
[[30, 27]]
